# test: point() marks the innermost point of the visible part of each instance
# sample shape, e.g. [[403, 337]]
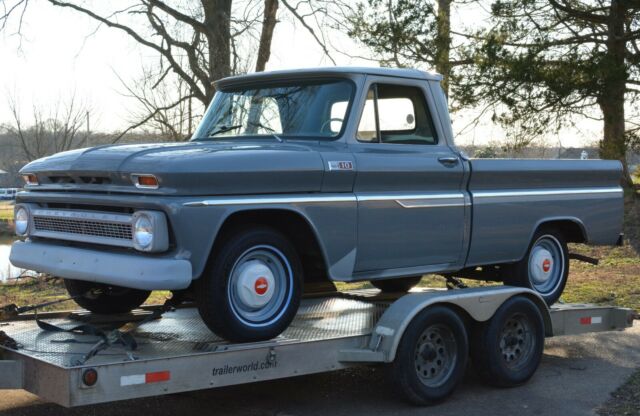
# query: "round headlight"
[[143, 232], [22, 221]]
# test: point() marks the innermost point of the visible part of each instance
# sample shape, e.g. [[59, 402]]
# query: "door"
[[411, 208]]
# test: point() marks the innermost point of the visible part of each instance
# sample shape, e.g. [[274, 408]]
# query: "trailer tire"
[[400, 285], [506, 350], [252, 287], [432, 356], [110, 300], [545, 267]]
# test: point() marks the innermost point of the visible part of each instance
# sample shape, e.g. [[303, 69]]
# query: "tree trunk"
[[268, 25], [443, 42], [264, 52], [217, 19], [612, 96]]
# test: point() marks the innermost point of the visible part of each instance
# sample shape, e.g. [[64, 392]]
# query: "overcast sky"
[[61, 52]]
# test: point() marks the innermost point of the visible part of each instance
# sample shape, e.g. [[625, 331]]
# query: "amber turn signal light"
[[145, 181], [30, 178]]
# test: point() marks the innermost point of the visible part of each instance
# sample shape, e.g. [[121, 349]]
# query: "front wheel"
[[545, 268], [252, 289], [105, 299]]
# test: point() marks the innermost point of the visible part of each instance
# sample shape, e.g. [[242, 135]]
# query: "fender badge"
[[340, 165]]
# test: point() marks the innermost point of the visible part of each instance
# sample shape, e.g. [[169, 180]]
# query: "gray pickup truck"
[[345, 174]]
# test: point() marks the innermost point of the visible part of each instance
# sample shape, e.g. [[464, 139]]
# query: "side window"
[[338, 111], [396, 114]]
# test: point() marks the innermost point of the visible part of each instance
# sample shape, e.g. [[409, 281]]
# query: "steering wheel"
[[326, 123]]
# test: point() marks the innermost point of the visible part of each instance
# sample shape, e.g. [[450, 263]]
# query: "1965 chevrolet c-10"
[[346, 174]]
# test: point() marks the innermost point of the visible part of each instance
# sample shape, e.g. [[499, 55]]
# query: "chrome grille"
[[73, 226], [83, 226]]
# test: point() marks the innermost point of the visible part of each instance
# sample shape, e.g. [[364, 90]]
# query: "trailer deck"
[[178, 353]]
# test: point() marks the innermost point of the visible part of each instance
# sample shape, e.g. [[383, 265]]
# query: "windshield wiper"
[[224, 129]]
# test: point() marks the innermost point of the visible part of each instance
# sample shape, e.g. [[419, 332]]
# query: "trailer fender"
[[479, 303]]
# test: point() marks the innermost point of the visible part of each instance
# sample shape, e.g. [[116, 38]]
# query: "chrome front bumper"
[[127, 270]]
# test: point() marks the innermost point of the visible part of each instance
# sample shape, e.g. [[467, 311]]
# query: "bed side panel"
[[511, 198]]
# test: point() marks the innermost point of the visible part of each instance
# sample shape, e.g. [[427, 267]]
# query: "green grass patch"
[[6, 210], [30, 291]]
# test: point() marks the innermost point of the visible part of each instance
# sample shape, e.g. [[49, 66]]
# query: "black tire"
[[400, 285], [220, 302], [520, 274], [110, 300], [506, 350], [419, 354]]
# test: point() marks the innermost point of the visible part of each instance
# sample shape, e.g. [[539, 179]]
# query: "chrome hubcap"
[[260, 286], [546, 265], [255, 284]]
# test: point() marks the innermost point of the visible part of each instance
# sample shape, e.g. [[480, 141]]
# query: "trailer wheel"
[[432, 356], [507, 349], [252, 289], [545, 268], [109, 300], [400, 285]]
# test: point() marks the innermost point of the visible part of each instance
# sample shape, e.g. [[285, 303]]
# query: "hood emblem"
[[340, 165]]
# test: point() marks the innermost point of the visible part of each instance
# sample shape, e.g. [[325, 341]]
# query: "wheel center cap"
[[255, 284], [261, 286], [541, 265]]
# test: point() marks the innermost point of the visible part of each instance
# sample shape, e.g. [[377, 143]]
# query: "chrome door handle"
[[449, 161]]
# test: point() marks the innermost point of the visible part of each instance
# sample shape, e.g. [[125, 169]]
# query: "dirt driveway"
[[576, 376]]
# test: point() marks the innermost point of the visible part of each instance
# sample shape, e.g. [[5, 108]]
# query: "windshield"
[[303, 110]]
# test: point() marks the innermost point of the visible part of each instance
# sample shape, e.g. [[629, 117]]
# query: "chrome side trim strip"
[[282, 199], [427, 203], [405, 197], [547, 192]]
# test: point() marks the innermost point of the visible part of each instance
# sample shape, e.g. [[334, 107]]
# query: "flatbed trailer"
[[177, 353]]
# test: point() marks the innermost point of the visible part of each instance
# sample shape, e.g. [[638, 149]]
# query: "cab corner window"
[[396, 114]]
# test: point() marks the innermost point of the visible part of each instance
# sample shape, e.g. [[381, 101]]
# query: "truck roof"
[[329, 71]]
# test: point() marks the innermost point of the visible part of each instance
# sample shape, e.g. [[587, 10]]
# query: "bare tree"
[[197, 43], [64, 127]]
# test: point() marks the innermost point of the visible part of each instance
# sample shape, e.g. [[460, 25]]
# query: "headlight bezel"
[[18, 208], [159, 231]]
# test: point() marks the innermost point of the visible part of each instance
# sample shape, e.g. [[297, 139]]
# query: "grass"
[[6, 210], [29, 291]]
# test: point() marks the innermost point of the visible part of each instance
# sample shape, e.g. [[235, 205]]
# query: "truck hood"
[[193, 168]]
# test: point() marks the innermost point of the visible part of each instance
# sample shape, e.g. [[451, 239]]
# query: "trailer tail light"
[[90, 377]]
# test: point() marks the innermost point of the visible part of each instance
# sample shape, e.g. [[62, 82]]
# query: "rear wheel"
[[105, 299], [432, 356], [545, 268], [396, 285], [507, 350], [252, 289]]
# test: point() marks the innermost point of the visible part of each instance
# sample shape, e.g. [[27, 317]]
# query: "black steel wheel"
[[252, 288], [105, 299], [432, 356], [545, 268], [400, 285], [507, 349]]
